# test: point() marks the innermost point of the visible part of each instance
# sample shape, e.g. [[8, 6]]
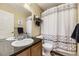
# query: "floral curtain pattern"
[[58, 25]]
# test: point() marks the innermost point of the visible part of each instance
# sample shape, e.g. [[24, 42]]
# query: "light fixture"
[[26, 6]]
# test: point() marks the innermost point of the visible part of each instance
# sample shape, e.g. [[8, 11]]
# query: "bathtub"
[[65, 53]]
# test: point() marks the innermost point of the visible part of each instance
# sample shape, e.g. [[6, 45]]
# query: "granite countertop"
[[6, 49]]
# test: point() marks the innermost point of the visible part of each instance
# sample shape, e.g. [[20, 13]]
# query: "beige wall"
[[35, 29], [16, 13], [78, 22], [36, 10], [77, 13]]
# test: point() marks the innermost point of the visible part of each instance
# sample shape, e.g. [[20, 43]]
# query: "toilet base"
[[45, 53]]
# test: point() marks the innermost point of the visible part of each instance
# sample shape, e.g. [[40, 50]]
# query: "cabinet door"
[[25, 53], [36, 50]]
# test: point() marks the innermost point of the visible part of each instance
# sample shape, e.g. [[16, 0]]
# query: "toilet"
[[47, 47]]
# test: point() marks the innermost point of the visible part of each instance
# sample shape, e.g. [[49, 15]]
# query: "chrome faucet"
[[21, 36]]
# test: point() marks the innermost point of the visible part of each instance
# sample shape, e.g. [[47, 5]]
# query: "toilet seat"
[[47, 45]]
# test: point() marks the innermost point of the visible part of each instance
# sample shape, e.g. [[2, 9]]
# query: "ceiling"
[[20, 7], [43, 6], [46, 6]]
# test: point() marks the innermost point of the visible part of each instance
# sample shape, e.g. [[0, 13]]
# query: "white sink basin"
[[23, 42]]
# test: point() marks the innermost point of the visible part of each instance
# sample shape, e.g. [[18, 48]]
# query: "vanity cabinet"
[[25, 53], [34, 50]]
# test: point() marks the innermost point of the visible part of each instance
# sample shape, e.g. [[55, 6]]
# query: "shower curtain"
[[58, 25]]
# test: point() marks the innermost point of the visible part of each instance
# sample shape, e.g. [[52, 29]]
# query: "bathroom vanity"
[[35, 49]]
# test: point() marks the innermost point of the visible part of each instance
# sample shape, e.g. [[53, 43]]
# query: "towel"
[[20, 30], [75, 34]]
